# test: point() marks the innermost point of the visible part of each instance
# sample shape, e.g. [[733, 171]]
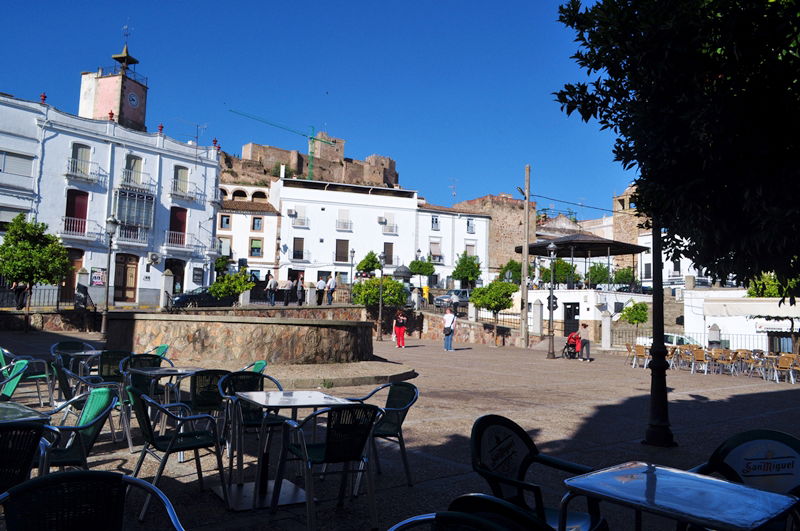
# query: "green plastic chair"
[[160, 350], [15, 373], [256, 366], [38, 370], [77, 441]]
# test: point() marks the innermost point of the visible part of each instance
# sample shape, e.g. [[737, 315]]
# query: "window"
[[224, 221], [342, 250], [79, 163], [134, 208], [259, 197], [225, 246], [470, 226], [255, 247], [436, 252], [343, 220], [469, 248], [434, 222], [648, 273], [255, 275], [676, 265], [388, 250], [16, 164], [297, 249], [180, 182], [132, 174], [258, 224], [239, 195]]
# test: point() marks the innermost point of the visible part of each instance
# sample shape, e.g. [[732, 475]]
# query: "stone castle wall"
[[626, 227], [507, 228]]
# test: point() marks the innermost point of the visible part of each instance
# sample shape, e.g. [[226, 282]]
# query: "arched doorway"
[[125, 275], [75, 257], [177, 268]]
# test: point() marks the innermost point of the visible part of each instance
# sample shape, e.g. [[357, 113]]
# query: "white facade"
[[731, 311], [73, 173], [674, 272]]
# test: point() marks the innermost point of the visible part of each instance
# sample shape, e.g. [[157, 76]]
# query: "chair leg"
[[404, 457], [155, 484], [200, 469], [374, 447], [343, 484], [141, 460], [311, 517], [373, 509], [221, 468], [276, 489]]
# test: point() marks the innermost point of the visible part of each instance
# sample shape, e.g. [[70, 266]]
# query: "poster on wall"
[[197, 276], [98, 276]]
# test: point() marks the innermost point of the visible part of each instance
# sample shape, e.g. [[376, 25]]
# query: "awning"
[[750, 307], [6, 215], [582, 245], [436, 248]]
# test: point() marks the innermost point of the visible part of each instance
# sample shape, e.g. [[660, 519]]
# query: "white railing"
[[344, 259], [301, 255], [393, 260], [437, 259], [137, 179], [175, 239], [132, 234], [390, 229], [344, 224], [84, 170], [182, 188], [74, 226], [300, 222]]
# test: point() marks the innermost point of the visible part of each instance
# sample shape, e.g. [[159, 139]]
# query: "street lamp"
[[382, 258], [352, 255], [524, 283], [551, 354], [111, 229], [418, 254]]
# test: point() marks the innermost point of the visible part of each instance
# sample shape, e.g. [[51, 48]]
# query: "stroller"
[[569, 352]]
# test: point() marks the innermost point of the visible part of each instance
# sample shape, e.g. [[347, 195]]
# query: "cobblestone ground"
[[591, 413]]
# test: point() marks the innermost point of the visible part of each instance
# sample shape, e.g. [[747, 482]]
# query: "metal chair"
[[63, 349], [348, 430], [180, 437], [19, 443], [75, 501], [503, 454], [38, 370], [256, 366], [160, 350], [15, 371]]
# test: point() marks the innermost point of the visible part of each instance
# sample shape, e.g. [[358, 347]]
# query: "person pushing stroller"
[[580, 346]]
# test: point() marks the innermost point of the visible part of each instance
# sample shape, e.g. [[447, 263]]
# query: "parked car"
[[670, 340], [443, 301], [201, 297]]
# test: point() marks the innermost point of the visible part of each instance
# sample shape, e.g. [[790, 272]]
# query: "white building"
[[74, 172], [674, 272]]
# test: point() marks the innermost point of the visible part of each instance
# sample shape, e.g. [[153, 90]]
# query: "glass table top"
[[13, 412], [291, 399]]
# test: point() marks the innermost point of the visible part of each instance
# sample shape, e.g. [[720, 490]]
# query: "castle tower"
[[117, 90]]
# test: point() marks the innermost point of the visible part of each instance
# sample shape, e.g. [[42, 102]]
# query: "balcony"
[[175, 239], [73, 226], [300, 223], [184, 190], [137, 180], [435, 225], [129, 234], [390, 229], [470, 228], [83, 170], [301, 255], [341, 258], [393, 260], [437, 259], [344, 224]]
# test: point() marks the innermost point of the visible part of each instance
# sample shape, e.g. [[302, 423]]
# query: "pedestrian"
[[286, 288], [399, 327], [449, 329], [301, 290], [454, 302], [331, 287], [272, 288], [320, 290], [582, 346], [19, 289]]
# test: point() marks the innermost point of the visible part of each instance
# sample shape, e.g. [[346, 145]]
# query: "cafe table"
[[156, 373], [15, 412], [679, 495], [258, 494]]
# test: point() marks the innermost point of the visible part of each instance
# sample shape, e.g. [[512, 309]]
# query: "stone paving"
[[591, 413]]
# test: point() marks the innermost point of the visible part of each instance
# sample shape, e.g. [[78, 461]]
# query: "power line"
[[583, 205]]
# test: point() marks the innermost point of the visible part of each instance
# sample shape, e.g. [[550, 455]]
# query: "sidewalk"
[[592, 413]]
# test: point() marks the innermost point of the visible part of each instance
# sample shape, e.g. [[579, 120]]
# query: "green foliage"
[[370, 263], [564, 272], [624, 275], [275, 171], [28, 254], [495, 297], [635, 313], [516, 271], [421, 267], [767, 285], [367, 292], [597, 274], [233, 284], [221, 264], [467, 269], [702, 96]]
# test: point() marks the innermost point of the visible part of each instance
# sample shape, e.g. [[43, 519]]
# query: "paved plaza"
[[591, 413]]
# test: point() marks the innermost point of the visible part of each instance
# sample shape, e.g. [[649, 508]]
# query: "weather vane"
[[126, 32]]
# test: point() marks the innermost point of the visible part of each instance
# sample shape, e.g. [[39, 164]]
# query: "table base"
[[240, 496]]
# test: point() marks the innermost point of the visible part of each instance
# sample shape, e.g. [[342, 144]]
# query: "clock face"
[[133, 100]]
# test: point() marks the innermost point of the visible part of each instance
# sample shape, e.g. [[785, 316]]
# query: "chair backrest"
[[402, 395], [243, 381], [142, 414], [108, 365], [98, 406], [18, 444], [160, 350], [5, 359], [349, 427], [204, 389], [699, 355], [14, 376], [500, 450], [640, 350], [258, 366], [138, 361], [764, 459], [785, 362], [498, 511], [64, 383], [75, 500]]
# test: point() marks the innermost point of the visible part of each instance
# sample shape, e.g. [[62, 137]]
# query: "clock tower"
[[116, 89]]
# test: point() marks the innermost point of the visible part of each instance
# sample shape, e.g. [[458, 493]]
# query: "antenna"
[[453, 187], [198, 131], [126, 32]]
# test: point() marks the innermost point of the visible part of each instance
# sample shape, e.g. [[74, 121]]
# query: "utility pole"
[[524, 281]]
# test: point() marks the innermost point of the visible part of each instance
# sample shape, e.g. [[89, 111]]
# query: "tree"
[[421, 267], [468, 269], [368, 292], [516, 271], [231, 285], [369, 264], [495, 297], [624, 275], [564, 272], [221, 264], [635, 314], [29, 255], [704, 98], [767, 285], [597, 274]]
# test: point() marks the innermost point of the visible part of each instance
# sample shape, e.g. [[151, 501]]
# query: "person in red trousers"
[[399, 327]]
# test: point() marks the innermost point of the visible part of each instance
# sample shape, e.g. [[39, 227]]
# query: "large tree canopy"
[[704, 98], [28, 254]]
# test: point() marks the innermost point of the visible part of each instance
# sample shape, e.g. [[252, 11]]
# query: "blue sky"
[[459, 93]]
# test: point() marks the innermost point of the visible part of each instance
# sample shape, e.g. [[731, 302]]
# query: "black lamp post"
[[418, 254], [111, 229], [551, 353], [352, 256], [382, 258]]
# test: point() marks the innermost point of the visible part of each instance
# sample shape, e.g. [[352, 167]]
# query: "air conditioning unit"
[[291, 212], [382, 220], [153, 258]]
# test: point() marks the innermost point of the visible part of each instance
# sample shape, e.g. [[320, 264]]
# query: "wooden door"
[[125, 276], [75, 257]]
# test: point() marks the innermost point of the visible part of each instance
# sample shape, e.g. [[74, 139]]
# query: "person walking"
[[449, 329], [301, 289], [399, 327], [19, 289], [331, 287], [582, 346], [320, 291], [286, 288], [272, 288]]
